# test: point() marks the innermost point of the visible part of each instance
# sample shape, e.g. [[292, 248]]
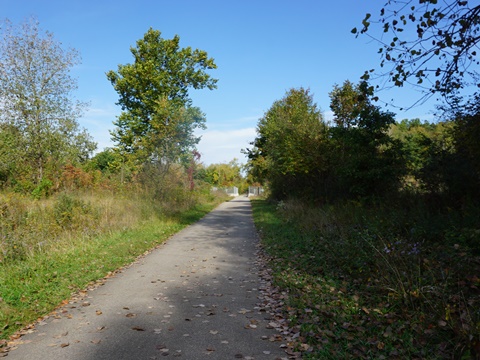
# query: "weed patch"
[[362, 284]]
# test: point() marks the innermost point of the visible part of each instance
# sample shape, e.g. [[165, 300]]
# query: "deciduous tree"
[[153, 95], [367, 161], [36, 100], [287, 151]]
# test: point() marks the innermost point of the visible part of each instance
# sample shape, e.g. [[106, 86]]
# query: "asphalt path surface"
[[194, 297]]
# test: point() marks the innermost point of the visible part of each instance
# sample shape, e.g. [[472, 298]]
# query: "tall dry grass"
[[30, 226]]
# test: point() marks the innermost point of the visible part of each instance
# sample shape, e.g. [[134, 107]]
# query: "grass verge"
[[360, 288], [36, 284]]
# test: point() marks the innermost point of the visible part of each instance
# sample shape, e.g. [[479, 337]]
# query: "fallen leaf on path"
[[64, 345], [304, 347], [61, 335], [138, 328]]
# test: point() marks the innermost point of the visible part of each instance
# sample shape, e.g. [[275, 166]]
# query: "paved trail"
[[192, 298]]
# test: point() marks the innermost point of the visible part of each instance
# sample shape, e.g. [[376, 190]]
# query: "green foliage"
[[442, 158], [367, 160], [287, 151], [39, 131], [157, 120], [105, 160], [43, 189], [414, 136], [71, 212], [222, 175], [347, 103], [9, 152], [299, 155], [466, 164]]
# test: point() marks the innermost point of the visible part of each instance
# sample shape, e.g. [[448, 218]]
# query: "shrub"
[[43, 189], [71, 212]]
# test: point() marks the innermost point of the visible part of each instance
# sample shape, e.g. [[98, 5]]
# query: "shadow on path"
[[193, 298]]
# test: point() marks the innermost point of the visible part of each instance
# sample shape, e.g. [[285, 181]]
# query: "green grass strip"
[[34, 287]]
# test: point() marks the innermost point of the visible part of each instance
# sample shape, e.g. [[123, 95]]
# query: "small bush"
[[43, 189], [23, 186]]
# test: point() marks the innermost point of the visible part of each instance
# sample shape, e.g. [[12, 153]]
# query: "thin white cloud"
[[102, 112], [99, 121], [219, 146]]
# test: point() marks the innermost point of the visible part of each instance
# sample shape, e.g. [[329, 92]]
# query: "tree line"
[[363, 153], [43, 150]]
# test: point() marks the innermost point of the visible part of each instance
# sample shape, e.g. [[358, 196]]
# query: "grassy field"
[[368, 284], [54, 248]]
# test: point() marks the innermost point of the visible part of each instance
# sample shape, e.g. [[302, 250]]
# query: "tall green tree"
[[37, 103], [367, 161], [178, 141], [153, 93], [347, 103], [288, 145]]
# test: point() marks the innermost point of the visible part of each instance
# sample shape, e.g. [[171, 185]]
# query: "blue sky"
[[261, 48]]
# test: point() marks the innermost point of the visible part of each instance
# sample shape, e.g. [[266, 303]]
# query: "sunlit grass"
[[47, 260]]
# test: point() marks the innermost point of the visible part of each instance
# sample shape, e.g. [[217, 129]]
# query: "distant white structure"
[[232, 191], [255, 190]]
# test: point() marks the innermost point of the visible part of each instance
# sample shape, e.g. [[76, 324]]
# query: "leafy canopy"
[[154, 89], [287, 148], [39, 114]]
